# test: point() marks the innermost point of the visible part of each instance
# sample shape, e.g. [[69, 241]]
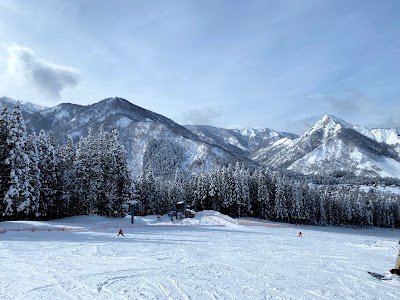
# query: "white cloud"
[[201, 116], [45, 76]]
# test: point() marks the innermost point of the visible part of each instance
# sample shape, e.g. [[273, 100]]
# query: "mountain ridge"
[[331, 144], [150, 139]]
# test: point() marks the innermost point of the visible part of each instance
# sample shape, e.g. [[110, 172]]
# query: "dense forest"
[[240, 192], [41, 180]]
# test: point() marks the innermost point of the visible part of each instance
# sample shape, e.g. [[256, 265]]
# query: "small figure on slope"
[[396, 269], [120, 232], [300, 234]]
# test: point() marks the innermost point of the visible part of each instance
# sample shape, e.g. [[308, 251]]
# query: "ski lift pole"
[[132, 203]]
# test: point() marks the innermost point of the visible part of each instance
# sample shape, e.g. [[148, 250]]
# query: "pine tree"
[[369, 206], [37, 207], [67, 179], [49, 171], [281, 211], [261, 208], [347, 207], [88, 172], [297, 209], [227, 191], [5, 169], [175, 189], [17, 198], [118, 176], [148, 192], [215, 189]]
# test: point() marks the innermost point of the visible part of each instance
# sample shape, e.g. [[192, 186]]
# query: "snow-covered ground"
[[386, 189], [209, 257]]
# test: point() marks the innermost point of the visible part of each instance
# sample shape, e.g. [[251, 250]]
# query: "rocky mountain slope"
[[241, 141], [151, 140]]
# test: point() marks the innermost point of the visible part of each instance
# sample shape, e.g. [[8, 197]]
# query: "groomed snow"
[[209, 257]]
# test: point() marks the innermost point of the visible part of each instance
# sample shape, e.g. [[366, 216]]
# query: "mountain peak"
[[328, 122], [331, 118], [114, 99], [326, 127]]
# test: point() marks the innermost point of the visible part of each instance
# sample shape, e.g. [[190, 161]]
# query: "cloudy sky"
[[229, 63]]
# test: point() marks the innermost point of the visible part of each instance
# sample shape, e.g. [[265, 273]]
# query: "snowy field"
[[385, 189], [208, 257]]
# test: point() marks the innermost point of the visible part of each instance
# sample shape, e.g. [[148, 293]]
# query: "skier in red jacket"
[[120, 232], [300, 234]]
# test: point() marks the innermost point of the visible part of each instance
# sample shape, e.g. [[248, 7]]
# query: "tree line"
[[238, 191]]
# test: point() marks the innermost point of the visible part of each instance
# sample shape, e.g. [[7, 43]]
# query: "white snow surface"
[[388, 135], [123, 122], [386, 189], [211, 256]]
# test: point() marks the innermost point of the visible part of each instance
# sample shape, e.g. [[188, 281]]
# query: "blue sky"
[[227, 63]]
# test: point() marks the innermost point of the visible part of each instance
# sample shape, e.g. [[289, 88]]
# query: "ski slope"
[[209, 257]]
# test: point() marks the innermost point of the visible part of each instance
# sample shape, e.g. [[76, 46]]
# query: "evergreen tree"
[[281, 211], [214, 192], [17, 199], [261, 207], [49, 173], [227, 191], [37, 207], [89, 173], [297, 209], [67, 179], [322, 218], [5, 169], [118, 176]]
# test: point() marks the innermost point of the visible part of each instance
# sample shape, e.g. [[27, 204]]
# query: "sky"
[[280, 64]]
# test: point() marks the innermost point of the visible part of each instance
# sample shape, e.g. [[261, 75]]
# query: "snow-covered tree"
[[281, 211], [17, 199], [261, 207], [49, 172], [117, 175], [67, 179], [37, 207]]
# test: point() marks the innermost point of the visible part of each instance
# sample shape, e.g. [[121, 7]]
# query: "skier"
[[300, 234], [396, 269], [120, 232]]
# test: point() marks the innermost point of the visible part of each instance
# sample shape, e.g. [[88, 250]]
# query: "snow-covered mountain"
[[26, 107], [390, 136], [151, 140], [331, 145], [241, 141]]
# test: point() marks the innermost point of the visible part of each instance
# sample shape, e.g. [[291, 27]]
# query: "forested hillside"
[[42, 180]]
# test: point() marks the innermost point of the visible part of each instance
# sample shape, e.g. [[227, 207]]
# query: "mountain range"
[[152, 140]]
